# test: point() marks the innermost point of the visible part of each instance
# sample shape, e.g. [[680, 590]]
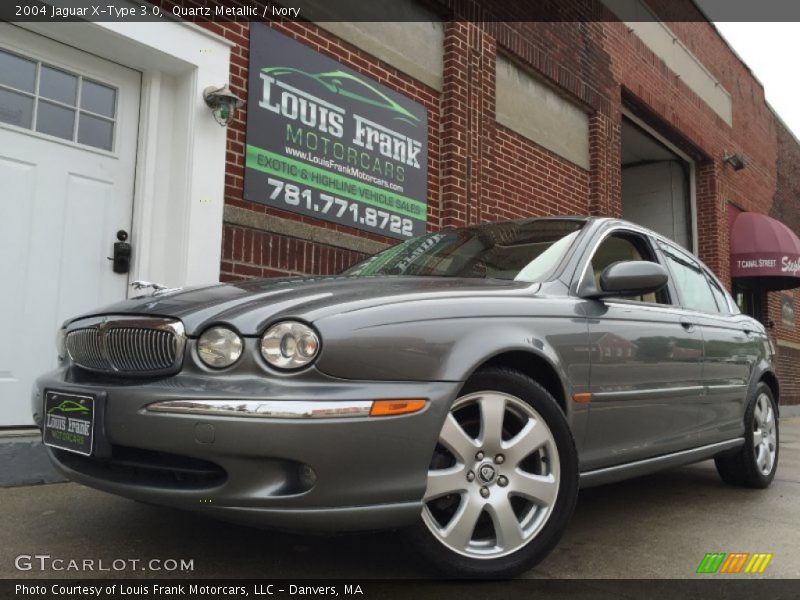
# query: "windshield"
[[515, 250]]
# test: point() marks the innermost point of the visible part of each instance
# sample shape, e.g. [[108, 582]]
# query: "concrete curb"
[[25, 460], [790, 411]]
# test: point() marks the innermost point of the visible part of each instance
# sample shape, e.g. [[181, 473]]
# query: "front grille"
[[135, 466], [127, 345]]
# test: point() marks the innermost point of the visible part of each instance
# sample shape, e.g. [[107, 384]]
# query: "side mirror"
[[626, 278]]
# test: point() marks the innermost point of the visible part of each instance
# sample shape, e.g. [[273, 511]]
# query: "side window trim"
[[650, 244], [676, 300], [713, 282], [682, 257]]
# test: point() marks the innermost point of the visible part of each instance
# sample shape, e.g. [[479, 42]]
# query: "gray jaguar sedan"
[[460, 386]]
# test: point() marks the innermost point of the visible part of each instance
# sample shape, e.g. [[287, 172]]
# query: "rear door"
[[646, 366], [731, 347]]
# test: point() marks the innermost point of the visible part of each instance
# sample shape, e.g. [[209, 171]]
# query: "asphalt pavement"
[[659, 526]]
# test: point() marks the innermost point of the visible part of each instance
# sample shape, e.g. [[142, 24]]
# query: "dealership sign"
[[327, 142]]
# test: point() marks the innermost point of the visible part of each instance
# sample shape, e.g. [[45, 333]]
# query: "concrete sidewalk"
[[659, 526]]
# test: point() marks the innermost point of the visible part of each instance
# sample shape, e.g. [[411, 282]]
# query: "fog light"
[[308, 478]]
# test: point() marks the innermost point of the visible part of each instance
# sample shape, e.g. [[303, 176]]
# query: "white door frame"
[[180, 165], [686, 158]]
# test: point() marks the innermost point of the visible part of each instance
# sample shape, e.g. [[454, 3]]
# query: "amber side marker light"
[[582, 398], [387, 408]]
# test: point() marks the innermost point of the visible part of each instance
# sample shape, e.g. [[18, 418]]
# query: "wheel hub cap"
[[494, 478], [487, 473]]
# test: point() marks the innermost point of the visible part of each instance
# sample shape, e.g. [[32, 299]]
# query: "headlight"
[[219, 347], [61, 343], [289, 345]]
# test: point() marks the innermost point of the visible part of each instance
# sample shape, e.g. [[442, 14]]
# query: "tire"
[[533, 461], [755, 463]]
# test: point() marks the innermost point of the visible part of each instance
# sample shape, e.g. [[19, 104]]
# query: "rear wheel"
[[503, 480], [755, 463]]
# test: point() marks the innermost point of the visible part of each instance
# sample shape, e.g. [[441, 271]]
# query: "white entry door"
[[68, 131]]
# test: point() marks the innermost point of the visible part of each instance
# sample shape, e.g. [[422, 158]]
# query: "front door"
[[68, 129], [646, 368]]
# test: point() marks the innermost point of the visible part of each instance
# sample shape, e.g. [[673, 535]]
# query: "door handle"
[[687, 325]]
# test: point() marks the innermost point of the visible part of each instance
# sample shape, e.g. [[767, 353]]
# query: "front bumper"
[[368, 472]]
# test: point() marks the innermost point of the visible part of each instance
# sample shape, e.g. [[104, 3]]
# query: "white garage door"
[[68, 129]]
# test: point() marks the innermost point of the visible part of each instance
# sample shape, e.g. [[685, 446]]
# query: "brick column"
[[712, 221], [605, 163], [468, 123]]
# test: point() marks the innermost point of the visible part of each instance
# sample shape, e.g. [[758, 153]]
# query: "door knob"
[[122, 253]]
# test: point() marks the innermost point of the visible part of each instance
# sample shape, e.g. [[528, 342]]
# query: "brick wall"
[[480, 171], [248, 252], [786, 208]]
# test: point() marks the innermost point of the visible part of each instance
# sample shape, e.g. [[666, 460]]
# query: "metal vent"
[[127, 345]]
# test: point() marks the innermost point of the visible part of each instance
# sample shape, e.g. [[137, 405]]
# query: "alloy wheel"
[[764, 434], [494, 478]]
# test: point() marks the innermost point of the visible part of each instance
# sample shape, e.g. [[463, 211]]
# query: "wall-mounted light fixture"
[[736, 161], [223, 103]]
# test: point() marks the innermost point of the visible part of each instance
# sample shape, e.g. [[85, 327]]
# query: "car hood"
[[250, 305]]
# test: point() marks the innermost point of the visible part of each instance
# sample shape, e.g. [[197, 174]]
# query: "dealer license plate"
[[69, 421]]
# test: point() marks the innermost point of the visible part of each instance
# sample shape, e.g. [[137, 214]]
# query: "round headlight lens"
[[289, 345], [219, 347]]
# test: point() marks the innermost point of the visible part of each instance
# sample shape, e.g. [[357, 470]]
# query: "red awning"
[[764, 253]]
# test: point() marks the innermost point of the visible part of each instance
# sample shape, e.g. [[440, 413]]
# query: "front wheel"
[[755, 463], [503, 480]]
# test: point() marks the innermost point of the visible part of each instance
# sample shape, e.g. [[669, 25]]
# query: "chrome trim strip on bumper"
[[266, 409], [649, 465]]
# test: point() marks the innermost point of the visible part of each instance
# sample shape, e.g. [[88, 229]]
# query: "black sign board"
[[325, 141]]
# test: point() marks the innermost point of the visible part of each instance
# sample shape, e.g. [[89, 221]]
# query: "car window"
[[547, 260], [623, 247], [719, 295], [692, 284], [521, 251]]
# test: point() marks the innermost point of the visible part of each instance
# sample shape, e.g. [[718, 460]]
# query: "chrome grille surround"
[[127, 345]]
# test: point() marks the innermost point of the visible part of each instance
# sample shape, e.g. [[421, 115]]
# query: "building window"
[[55, 102], [751, 302], [532, 109]]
